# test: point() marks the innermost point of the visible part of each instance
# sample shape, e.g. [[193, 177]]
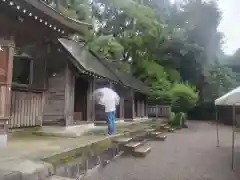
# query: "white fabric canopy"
[[229, 99]]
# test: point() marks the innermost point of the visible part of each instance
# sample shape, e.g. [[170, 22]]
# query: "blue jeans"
[[111, 122]]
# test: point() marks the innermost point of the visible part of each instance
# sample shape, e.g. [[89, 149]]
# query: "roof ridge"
[[71, 19]]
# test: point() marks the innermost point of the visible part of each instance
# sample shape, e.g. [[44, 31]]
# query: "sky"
[[229, 25]]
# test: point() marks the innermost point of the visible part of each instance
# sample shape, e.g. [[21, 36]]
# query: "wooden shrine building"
[[47, 76]]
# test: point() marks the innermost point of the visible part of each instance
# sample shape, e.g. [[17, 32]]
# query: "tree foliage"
[[184, 97], [160, 43]]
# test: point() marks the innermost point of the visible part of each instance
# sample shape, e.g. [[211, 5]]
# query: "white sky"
[[229, 25]]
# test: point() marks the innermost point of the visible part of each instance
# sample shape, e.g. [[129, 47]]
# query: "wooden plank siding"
[[159, 111], [54, 108], [26, 109]]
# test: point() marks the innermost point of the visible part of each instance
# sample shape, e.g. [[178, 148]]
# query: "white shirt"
[[110, 105]]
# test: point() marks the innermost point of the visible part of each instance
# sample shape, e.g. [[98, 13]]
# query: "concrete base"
[[69, 131], [136, 119], [120, 120], [3, 140], [145, 118]]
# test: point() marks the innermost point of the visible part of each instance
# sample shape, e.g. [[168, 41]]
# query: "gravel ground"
[[189, 154]]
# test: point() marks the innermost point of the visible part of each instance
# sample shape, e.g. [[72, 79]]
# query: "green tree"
[[184, 97]]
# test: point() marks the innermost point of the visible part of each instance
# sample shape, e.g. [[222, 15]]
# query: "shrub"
[[177, 119], [184, 97], [171, 117]]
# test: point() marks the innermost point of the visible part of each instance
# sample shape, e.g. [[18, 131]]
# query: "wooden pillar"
[[6, 65], [69, 96], [122, 107], [133, 104], [91, 100], [146, 106], [139, 108], [142, 108]]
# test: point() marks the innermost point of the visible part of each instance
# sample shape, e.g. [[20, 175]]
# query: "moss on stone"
[[96, 148]]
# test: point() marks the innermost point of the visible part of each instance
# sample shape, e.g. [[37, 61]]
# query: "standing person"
[[109, 99], [110, 110]]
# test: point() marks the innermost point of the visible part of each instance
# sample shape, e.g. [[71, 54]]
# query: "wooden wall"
[[140, 104], [120, 108], [26, 109], [129, 104], [55, 100]]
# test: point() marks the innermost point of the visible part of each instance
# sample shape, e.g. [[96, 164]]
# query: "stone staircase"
[[136, 146]]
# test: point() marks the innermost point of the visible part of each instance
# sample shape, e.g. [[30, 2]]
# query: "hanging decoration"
[[30, 14]]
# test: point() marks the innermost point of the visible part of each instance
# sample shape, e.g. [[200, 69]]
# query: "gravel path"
[[189, 154]]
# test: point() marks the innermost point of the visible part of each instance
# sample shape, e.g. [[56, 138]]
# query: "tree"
[[221, 80], [161, 43]]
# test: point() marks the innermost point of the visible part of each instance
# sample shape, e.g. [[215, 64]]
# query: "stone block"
[[132, 145], [161, 137], [171, 130], [10, 175], [58, 178], [122, 140], [142, 151]]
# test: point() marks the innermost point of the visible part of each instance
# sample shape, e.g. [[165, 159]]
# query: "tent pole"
[[233, 135], [217, 126]]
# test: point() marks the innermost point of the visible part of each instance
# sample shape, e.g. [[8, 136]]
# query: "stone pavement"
[[34, 157], [189, 154], [25, 145]]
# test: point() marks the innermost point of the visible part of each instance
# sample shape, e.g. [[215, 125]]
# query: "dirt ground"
[[189, 154]]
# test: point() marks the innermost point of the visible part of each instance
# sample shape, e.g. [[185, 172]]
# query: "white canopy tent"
[[232, 98]]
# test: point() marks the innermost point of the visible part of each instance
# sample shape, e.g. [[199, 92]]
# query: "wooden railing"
[[159, 111], [26, 109]]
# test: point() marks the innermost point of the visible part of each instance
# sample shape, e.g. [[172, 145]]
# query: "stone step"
[[141, 151], [122, 140], [133, 145], [58, 178], [163, 125], [154, 134], [166, 127], [149, 130], [171, 130], [161, 137]]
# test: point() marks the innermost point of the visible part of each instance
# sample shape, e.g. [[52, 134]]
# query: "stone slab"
[[29, 170], [10, 175], [155, 133], [161, 137], [171, 130], [133, 145], [122, 140], [58, 178], [142, 151]]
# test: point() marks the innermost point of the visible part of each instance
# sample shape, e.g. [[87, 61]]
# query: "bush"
[[171, 117], [177, 119], [184, 97]]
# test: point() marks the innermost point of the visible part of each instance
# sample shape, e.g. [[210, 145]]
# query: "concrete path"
[[189, 154]]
